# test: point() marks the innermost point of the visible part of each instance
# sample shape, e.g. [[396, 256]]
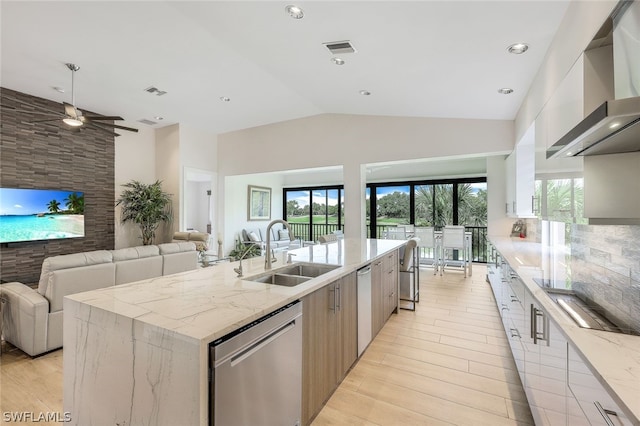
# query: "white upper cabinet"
[[520, 171]]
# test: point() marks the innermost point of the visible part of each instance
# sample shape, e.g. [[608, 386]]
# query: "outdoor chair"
[[428, 253]]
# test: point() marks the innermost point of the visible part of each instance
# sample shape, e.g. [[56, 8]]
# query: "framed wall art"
[[259, 203]]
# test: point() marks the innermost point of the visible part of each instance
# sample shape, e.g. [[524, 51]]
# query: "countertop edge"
[[284, 295]]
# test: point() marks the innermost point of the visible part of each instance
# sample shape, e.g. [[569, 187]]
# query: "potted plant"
[[145, 205], [244, 251]]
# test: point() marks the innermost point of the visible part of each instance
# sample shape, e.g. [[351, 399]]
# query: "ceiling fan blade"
[[103, 117], [131, 129], [70, 110], [102, 129], [116, 126]]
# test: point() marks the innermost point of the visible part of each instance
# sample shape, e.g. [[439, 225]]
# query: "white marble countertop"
[[208, 303], [614, 357]]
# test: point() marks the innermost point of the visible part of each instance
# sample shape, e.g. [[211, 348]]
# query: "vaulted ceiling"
[[416, 58]]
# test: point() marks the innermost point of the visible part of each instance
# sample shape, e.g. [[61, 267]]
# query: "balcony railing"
[[478, 235]]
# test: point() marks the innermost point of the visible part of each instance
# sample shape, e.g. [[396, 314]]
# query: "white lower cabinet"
[[592, 403], [545, 366], [561, 389]]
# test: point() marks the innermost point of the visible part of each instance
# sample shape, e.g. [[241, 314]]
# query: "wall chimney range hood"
[[613, 128]]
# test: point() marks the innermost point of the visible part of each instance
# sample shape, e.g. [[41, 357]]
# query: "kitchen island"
[[138, 354], [612, 358]]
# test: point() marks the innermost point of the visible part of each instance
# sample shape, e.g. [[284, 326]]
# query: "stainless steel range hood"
[[613, 128]]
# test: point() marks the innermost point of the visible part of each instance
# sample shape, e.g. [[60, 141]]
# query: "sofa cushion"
[[128, 271], [170, 248], [253, 237], [68, 261], [283, 235], [181, 236], [178, 257], [139, 252], [63, 282]]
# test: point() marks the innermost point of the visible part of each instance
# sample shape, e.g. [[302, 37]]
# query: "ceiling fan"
[[72, 116]]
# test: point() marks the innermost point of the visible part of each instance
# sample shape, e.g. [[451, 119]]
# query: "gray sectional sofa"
[[32, 318], [280, 239]]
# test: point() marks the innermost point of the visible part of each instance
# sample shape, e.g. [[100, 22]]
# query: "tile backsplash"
[[605, 269]]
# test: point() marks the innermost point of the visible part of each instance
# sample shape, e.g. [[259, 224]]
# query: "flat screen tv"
[[40, 214]]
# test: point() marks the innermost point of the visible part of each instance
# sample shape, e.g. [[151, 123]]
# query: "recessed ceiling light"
[[157, 117], [58, 89], [505, 91], [294, 11], [365, 92], [337, 61], [225, 99], [518, 48], [614, 125]]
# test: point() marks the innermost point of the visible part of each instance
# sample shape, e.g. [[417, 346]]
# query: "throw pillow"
[[284, 235], [254, 237]]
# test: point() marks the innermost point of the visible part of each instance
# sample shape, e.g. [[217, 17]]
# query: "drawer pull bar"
[[605, 413]]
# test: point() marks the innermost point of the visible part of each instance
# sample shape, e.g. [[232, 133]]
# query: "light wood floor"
[[446, 363]]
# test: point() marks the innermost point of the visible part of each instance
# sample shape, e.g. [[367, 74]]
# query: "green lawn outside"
[[316, 219], [334, 220]]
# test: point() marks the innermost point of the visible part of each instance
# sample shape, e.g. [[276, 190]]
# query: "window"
[[560, 199], [316, 211]]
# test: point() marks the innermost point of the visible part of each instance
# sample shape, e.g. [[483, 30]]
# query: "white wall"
[[135, 159], [350, 142], [236, 203], [168, 170], [338, 139]]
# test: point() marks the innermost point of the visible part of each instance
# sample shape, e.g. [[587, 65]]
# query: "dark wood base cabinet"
[[330, 330], [330, 342]]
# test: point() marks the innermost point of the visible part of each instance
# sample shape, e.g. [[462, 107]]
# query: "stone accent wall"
[[605, 269], [50, 156]]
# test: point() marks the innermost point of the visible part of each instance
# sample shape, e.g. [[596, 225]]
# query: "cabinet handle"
[[333, 307], [514, 298], [605, 413], [506, 207], [535, 313], [515, 332], [514, 206], [505, 307], [339, 296]]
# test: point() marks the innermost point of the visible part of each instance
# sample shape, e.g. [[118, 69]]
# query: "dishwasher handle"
[[364, 271], [247, 352]]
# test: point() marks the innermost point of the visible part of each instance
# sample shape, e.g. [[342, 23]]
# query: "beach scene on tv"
[[40, 214]]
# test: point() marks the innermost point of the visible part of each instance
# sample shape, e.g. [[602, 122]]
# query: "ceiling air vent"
[[340, 47], [155, 91], [147, 122]]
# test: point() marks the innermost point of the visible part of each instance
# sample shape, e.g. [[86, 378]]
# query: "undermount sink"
[[280, 279], [293, 275], [307, 269]]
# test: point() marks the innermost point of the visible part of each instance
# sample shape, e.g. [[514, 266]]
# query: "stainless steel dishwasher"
[[256, 372], [364, 308]]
